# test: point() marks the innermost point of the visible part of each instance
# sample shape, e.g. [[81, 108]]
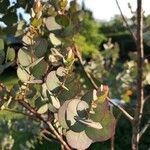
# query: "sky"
[[106, 9]]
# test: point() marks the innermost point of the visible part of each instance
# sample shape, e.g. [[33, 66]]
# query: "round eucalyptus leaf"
[[43, 109], [52, 81], [78, 140], [52, 108], [68, 31], [73, 86], [31, 92], [55, 102], [10, 56], [62, 20], [83, 109], [36, 22], [51, 11], [23, 75], [54, 40], [90, 123], [24, 57], [71, 115], [108, 127], [40, 47], [40, 69], [39, 102], [1, 69], [44, 90], [26, 39], [1, 44], [51, 24], [61, 72], [62, 115]]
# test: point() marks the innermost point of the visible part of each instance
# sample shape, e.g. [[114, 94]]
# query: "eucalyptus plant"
[[47, 87]]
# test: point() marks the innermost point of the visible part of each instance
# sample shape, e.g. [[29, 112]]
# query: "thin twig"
[[22, 113], [46, 138], [125, 21], [121, 109], [45, 131], [58, 136], [78, 55], [31, 109], [144, 129], [146, 99]]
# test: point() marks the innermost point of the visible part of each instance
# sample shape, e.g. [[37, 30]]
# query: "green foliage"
[[89, 38], [86, 120], [49, 89], [44, 68]]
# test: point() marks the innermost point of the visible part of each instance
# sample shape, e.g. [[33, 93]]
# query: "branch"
[[125, 21], [128, 116], [140, 67], [58, 136], [45, 131], [22, 113], [31, 109], [144, 129], [78, 55]]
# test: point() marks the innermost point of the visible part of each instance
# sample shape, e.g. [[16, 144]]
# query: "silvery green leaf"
[[43, 109]]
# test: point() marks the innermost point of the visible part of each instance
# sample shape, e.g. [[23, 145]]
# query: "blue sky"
[[106, 9]]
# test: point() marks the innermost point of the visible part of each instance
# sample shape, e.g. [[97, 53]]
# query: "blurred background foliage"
[[109, 53]]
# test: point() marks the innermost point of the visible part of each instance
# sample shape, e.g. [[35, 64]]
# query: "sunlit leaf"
[[36, 22], [62, 115], [43, 109], [71, 115], [24, 57], [54, 40], [61, 71], [78, 140], [90, 123], [55, 102], [51, 24], [10, 56], [52, 81], [23, 75], [83, 109]]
